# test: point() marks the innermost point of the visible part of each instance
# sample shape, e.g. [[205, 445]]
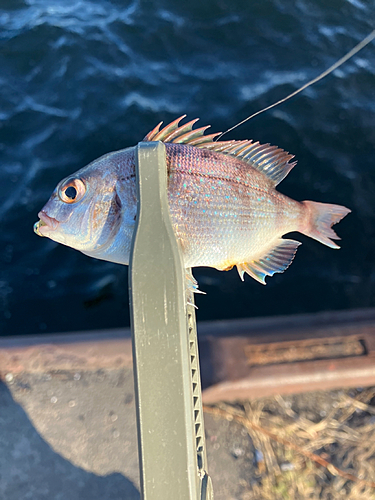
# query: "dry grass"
[[311, 446]]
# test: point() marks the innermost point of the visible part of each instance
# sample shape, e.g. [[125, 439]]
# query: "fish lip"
[[48, 223]]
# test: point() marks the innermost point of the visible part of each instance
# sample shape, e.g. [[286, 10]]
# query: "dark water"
[[82, 78]]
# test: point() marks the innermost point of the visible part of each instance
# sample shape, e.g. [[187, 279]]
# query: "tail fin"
[[320, 219]]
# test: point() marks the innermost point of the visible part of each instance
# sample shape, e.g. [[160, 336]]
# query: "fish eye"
[[72, 191]]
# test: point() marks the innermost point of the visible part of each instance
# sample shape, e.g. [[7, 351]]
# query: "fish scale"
[[222, 197], [226, 202]]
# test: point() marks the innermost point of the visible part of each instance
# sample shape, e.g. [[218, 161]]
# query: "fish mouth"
[[45, 225]]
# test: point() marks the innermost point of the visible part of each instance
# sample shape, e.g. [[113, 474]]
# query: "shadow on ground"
[[31, 470]]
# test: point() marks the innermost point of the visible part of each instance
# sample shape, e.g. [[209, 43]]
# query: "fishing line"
[[341, 61]]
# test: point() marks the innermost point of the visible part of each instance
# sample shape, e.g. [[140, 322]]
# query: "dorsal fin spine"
[[203, 139], [193, 134], [166, 131], [150, 135]]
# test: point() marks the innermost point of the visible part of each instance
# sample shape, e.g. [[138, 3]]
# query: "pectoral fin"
[[274, 261]]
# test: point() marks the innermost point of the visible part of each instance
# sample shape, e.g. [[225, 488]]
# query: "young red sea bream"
[[223, 202]]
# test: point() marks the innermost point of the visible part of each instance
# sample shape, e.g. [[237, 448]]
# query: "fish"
[[224, 206]]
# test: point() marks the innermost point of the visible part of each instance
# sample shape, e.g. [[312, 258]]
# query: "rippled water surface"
[[82, 78]]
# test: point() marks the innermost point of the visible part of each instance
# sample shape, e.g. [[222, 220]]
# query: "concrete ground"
[[71, 435]]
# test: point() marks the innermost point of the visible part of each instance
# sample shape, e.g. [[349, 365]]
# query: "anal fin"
[[274, 261]]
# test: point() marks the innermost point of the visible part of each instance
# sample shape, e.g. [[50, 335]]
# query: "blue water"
[[82, 78]]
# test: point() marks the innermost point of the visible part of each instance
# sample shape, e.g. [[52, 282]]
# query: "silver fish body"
[[224, 207]]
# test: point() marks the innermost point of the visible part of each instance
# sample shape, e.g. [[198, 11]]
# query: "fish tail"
[[319, 220]]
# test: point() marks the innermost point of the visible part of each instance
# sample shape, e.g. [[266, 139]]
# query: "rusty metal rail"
[[240, 359], [289, 354]]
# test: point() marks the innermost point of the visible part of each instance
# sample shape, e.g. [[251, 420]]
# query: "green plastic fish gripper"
[[171, 440]]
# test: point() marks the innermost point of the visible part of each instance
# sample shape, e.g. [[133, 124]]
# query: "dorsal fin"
[[270, 160]]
